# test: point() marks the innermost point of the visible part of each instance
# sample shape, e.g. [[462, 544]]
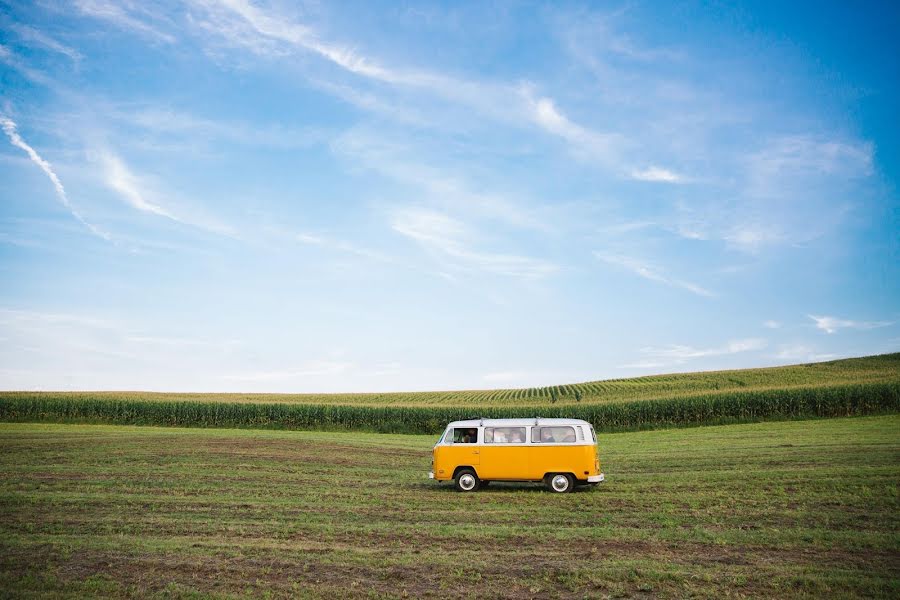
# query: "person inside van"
[[471, 436], [517, 437]]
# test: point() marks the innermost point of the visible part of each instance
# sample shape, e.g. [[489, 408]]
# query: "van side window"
[[465, 435], [553, 435], [504, 435]]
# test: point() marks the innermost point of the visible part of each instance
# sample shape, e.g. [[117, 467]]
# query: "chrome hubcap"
[[467, 482], [560, 483]]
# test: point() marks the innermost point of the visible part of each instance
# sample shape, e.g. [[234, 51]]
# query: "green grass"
[[804, 509], [840, 388]]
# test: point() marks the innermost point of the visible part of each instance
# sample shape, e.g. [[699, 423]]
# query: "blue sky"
[[359, 196]]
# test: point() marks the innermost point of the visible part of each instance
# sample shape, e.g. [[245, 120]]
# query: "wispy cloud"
[[396, 160], [120, 178], [257, 29], [603, 148], [834, 324], [792, 160], [126, 15], [657, 174], [9, 127], [342, 246], [11, 59], [168, 122], [36, 37], [771, 324], [450, 239], [802, 353], [651, 273], [676, 354]]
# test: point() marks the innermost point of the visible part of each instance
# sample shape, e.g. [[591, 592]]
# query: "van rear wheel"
[[559, 483], [466, 481]]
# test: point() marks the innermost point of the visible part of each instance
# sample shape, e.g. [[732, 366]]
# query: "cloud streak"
[[676, 354], [120, 178], [833, 324], [9, 127], [658, 175], [651, 273], [256, 29], [32, 35], [448, 238], [123, 16]]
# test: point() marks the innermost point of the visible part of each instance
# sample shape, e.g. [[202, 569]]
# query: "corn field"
[[700, 409]]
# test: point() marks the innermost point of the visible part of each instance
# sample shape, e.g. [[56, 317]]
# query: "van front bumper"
[[597, 478]]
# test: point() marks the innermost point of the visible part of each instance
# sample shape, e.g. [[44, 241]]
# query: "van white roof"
[[516, 422]]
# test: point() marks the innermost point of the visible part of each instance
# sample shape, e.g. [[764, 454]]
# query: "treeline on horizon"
[[821, 401]]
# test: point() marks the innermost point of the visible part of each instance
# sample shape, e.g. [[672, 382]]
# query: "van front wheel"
[[466, 481], [560, 483]]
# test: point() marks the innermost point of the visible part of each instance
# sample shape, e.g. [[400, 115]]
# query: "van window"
[[553, 435], [504, 435], [465, 435]]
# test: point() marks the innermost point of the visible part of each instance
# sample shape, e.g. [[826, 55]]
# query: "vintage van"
[[562, 453]]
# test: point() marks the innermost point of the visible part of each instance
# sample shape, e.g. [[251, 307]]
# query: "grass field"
[[788, 509]]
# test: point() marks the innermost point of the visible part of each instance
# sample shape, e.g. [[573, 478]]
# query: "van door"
[[466, 450], [504, 453]]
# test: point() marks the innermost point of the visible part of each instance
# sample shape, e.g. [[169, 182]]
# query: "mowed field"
[[786, 509]]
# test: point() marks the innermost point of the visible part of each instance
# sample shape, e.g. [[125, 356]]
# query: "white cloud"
[[138, 193], [450, 240], [9, 127], [651, 273], [802, 353], [125, 15], [657, 174], [787, 159], [676, 354], [681, 353], [30, 34], [603, 148], [168, 122], [770, 324], [120, 178], [256, 30], [833, 324], [399, 162]]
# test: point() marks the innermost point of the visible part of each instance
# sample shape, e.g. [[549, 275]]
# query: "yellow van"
[[562, 453]]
